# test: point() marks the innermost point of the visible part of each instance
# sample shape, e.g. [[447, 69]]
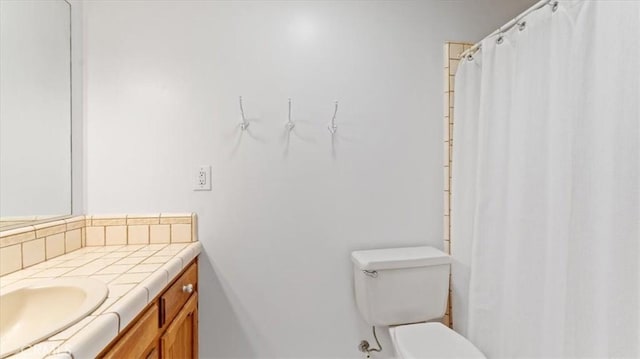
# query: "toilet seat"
[[431, 340]]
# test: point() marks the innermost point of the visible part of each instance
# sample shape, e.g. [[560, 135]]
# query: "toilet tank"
[[401, 285]]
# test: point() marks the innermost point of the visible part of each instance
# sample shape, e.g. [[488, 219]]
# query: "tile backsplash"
[[32, 244], [452, 51]]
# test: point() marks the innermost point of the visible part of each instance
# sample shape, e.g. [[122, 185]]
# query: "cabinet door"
[[138, 339], [180, 341]]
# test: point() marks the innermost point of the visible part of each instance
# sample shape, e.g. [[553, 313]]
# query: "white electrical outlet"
[[203, 179]]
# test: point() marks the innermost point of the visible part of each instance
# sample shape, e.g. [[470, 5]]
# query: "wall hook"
[[245, 124], [332, 126], [290, 125]]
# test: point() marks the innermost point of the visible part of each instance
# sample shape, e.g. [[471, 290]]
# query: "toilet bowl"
[[431, 340], [397, 286]]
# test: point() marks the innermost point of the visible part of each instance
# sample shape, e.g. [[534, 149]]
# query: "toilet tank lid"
[[396, 258]]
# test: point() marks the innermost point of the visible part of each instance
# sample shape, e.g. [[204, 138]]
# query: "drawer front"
[[174, 298], [136, 340]]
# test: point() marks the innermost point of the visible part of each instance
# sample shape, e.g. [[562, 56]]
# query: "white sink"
[[36, 311]]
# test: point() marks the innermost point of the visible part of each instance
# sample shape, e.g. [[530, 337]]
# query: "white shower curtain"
[[545, 193]]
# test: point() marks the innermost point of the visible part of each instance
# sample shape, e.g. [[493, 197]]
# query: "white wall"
[[162, 81]]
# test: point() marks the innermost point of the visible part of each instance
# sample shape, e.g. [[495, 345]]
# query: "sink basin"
[[36, 311]]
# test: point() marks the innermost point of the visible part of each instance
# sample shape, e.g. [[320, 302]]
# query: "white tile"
[[38, 350], [89, 342], [143, 254], [118, 290], [129, 305], [130, 260], [51, 273], [197, 248], [106, 304], [63, 355], [72, 263], [186, 255], [130, 248], [85, 270], [107, 248], [104, 261], [155, 283], [172, 267], [157, 259], [24, 273], [67, 333], [144, 268], [130, 278], [116, 269], [106, 278]]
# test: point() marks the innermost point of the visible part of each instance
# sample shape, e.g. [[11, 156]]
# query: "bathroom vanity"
[[167, 327], [147, 266]]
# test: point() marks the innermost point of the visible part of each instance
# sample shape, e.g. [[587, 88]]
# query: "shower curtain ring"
[[522, 25], [554, 6]]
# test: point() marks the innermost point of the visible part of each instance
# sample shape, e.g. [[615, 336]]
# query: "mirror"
[[35, 110]]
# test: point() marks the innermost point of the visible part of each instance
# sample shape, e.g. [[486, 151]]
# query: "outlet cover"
[[202, 180]]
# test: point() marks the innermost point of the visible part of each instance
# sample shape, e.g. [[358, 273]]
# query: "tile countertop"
[[135, 275]]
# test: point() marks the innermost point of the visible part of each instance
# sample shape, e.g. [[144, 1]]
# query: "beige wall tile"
[[115, 235], [175, 220], [138, 234], [51, 228], [153, 218], [160, 233], [33, 252], [75, 222], [445, 79], [10, 259], [453, 66], [445, 223], [17, 235], [455, 49], [73, 240], [146, 220], [95, 236], [180, 233], [445, 174], [446, 202], [109, 220], [194, 227], [445, 152], [54, 245]]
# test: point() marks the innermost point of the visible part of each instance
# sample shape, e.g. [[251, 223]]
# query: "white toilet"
[[406, 289]]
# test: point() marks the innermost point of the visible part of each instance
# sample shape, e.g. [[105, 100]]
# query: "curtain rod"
[[506, 27]]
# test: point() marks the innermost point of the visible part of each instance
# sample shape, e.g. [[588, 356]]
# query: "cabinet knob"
[[187, 288]]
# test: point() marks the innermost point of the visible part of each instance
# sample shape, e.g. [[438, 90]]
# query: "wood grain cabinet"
[[167, 327]]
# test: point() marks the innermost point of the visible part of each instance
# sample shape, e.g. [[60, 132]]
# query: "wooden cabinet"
[[140, 339], [180, 340], [167, 327]]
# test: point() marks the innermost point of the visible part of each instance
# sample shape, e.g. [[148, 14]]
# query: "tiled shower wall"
[[452, 51], [32, 244]]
